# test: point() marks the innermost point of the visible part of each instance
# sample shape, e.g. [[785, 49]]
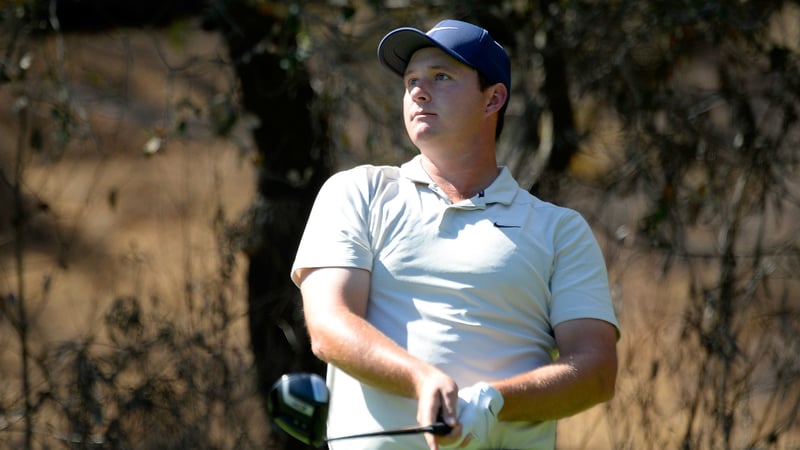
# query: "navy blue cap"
[[465, 42]]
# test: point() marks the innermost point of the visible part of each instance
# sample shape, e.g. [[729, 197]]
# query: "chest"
[[466, 244]]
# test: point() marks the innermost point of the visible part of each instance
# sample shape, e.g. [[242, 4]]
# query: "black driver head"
[[298, 403]]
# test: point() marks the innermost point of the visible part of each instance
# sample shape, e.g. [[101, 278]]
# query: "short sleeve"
[[337, 230], [579, 282]]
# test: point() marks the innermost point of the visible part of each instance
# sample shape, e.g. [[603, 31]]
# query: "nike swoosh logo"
[[497, 225]]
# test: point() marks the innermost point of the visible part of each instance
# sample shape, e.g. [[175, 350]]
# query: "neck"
[[461, 165], [461, 178]]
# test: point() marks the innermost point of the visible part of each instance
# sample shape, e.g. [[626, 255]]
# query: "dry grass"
[[118, 221], [115, 223]]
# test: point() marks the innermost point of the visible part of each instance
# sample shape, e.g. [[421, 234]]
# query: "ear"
[[497, 97]]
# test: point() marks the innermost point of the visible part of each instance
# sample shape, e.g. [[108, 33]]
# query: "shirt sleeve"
[[337, 230], [579, 283]]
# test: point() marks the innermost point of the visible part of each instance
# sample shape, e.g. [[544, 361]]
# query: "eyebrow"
[[428, 68]]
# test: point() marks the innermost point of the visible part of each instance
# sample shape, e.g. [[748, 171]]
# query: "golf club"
[[298, 404]]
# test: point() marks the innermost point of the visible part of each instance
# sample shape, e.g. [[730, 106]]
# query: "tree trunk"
[[556, 92], [293, 161]]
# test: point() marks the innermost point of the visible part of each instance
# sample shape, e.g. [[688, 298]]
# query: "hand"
[[479, 406], [437, 394]]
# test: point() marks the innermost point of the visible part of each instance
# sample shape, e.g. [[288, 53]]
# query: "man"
[[441, 289]]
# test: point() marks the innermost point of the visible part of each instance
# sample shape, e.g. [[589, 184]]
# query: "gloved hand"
[[478, 407]]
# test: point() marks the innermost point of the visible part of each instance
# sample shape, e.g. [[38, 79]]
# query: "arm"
[[583, 375], [335, 305]]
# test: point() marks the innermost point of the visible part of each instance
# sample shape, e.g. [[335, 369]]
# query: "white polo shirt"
[[474, 288]]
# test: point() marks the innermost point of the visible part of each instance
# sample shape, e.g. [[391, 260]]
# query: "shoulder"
[[358, 187], [366, 173], [365, 179], [549, 219], [551, 210]]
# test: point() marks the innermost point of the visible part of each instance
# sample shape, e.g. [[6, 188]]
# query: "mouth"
[[422, 115]]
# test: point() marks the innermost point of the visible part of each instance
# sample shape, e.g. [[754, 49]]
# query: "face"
[[442, 100]]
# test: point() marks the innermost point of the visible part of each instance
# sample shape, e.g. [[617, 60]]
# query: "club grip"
[[440, 428]]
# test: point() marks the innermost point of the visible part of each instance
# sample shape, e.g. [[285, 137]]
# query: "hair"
[[484, 84]]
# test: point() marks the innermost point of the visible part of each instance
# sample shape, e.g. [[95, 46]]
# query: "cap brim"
[[397, 47]]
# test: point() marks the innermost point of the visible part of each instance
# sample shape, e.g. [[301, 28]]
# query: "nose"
[[419, 94]]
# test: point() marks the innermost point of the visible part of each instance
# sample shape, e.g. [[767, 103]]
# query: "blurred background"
[[158, 160]]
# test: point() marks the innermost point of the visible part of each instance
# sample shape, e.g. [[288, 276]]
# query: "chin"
[[422, 133], [420, 138]]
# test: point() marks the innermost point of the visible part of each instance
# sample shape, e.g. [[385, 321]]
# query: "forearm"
[[335, 305], [355, 346], [561, 389]]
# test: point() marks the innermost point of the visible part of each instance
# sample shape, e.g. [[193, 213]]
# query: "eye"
[[411, 82], [442, 76]]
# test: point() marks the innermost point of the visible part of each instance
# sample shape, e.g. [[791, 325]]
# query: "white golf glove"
[[478, 407]]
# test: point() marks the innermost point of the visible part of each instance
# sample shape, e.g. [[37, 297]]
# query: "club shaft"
[[439, 428]]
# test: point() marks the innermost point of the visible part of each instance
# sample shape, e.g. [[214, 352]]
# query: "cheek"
[[407, 103]]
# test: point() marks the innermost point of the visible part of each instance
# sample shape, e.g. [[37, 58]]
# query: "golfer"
[[440, 288]]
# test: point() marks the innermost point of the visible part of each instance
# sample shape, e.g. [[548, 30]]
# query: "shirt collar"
[[502, 190]]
